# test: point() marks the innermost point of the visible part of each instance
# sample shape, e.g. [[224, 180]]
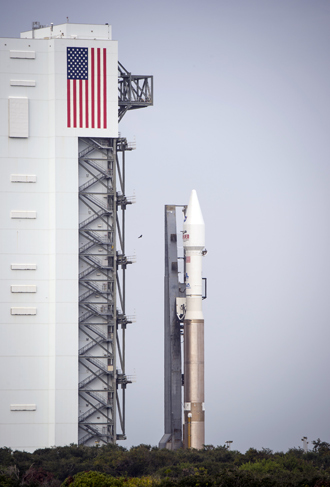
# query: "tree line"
[[146, 466]]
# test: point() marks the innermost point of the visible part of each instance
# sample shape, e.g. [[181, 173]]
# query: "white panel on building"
[[23, 288], [23, 214], [23, 407], [22, 82], [23, 178], [24, 267], [23, 311], [22, 54], [18, 117]]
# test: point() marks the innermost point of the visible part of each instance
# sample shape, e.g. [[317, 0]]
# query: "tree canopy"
[[146, 466]]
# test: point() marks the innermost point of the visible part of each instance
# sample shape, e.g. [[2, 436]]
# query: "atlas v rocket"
[[194, 244], [183, 313]]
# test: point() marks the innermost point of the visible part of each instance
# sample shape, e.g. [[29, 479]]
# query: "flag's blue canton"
[[77, 58]]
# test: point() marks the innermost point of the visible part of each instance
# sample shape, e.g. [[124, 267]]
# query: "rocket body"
[[194, 244]]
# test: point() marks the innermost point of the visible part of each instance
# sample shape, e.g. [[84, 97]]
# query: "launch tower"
[[63, 257]]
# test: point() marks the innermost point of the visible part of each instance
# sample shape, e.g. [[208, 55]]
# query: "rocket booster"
[[194, 244]]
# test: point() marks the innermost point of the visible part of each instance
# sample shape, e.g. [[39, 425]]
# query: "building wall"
[[39, 227]]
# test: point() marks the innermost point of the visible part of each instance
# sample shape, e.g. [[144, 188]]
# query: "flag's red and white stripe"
[[87, 99]]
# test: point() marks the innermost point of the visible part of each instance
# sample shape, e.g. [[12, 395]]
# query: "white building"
[[58, 320]]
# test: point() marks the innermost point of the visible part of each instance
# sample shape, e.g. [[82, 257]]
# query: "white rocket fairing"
[[194, 244]]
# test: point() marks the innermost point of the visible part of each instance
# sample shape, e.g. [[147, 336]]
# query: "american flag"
[[87, 87]]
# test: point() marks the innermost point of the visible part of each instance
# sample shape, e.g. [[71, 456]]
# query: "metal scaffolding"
[[134, 91], [102, 266], [102, 273]]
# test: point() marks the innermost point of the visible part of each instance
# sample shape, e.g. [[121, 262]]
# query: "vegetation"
[[146, 466]]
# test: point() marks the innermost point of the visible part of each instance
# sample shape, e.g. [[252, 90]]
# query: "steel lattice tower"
[[102, 274]]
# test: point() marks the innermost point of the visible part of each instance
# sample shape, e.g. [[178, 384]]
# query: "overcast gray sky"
[[241, 114]]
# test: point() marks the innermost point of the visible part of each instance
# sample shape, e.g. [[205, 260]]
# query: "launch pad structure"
[[102, 277], [63, 171], [102, 298]]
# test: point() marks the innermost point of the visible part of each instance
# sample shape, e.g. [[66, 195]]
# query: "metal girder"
[[134, 91]]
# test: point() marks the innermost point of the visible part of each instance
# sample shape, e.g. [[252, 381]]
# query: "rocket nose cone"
[[193, 225], [194, 212]]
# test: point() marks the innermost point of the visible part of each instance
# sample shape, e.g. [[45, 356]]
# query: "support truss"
[[102, 290], [134, 91]]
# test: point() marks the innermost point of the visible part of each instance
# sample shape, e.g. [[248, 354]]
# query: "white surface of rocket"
[[194, 244]]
